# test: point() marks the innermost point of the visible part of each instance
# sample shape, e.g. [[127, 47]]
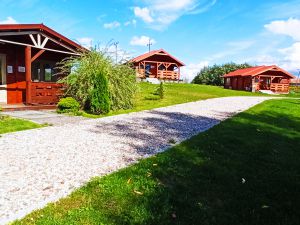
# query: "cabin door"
[[3, 91]]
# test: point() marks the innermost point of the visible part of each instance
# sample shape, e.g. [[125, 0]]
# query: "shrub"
[[160, 91], [212, 75], [68, 104], [99, 84], [122, 87], [99, 98]]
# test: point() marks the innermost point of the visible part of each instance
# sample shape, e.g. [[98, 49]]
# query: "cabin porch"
[[159, 70], [276, 84]]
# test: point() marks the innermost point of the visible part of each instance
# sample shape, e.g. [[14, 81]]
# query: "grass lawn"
[[8, 124], [245, 170], [175, 94]]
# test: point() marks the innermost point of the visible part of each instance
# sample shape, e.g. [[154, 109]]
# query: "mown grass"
[[174, 94], [9, 124], [245, 170]]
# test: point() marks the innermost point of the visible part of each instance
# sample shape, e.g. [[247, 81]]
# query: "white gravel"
[[42, 165]]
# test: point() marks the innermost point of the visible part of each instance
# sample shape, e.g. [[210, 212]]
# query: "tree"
[[212, 75], [97, 83]]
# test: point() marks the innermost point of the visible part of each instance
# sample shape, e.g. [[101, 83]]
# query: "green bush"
[[66, 105], [99, 84], [122, 86], [160, 90], [100, 102]]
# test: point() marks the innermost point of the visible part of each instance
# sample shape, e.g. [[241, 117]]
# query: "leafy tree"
[[212, 75], [97, 83]]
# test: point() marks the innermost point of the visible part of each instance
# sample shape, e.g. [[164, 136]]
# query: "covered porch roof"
[[260, 70], [38, 36], [157, 56]]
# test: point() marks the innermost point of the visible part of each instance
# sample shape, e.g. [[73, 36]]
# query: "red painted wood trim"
[[37, 55], [28, 74], [40, 27]]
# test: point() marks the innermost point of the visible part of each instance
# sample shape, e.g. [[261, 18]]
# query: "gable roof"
[[257, 70], [20, 28], [155, 52]]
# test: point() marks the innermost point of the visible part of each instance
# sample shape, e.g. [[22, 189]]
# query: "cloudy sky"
[[199, 32]]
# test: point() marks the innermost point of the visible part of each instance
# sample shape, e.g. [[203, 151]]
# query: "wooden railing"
[[169, 75], [45, 93], [140, 73], [280, 88]]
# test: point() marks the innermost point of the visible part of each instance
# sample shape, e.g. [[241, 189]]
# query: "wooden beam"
[[47, 49], [28, 74], [37, 55], [18, 33]]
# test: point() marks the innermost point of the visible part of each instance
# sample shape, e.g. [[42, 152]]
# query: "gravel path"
[[45, 116], [42, 165]]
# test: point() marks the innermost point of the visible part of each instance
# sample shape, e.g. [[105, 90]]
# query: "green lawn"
[[245, 170], [8, 124], [175, 94]]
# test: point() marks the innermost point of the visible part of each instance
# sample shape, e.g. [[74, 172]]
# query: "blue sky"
[[199, 32]]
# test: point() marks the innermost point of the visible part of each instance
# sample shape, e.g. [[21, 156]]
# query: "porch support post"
[[28, 74]]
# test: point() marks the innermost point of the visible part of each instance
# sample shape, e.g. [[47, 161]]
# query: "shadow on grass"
[[245, 170]]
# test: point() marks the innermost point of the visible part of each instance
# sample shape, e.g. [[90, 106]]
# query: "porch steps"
[[153, 80], [269, 92]]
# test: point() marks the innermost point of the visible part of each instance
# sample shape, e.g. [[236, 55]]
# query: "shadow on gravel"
[[157, 130]]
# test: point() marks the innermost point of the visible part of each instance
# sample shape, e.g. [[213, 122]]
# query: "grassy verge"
[[175, 94], [246, 170], [8, 124]]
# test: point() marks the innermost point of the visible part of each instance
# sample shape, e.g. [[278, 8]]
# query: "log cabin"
[[258, 78], [157, 64], [28, 57]]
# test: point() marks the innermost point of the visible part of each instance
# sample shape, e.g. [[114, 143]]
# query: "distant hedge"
[[212, 75]]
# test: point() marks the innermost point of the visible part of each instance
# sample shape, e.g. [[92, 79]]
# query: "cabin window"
[[43, 71], [227, 81], [48, 71], [2, 69], [148, 70]]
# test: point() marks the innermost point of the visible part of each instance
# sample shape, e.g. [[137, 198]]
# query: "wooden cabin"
[[157, 64], [28, 57], [259, 78]]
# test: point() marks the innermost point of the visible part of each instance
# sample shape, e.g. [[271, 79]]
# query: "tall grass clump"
[[97, 83]]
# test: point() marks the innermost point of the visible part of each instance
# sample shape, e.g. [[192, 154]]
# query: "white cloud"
[[141, 41], [159, 14], [86, 42], [291, 57], [130, 22], [190, 71], [8, 20], [290, 27], [112, 25], [143, 13]]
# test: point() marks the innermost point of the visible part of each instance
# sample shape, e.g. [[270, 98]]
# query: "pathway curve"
[[42, 165]]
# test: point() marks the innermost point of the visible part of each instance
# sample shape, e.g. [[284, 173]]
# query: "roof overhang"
[[161, 52], [39, 36]]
